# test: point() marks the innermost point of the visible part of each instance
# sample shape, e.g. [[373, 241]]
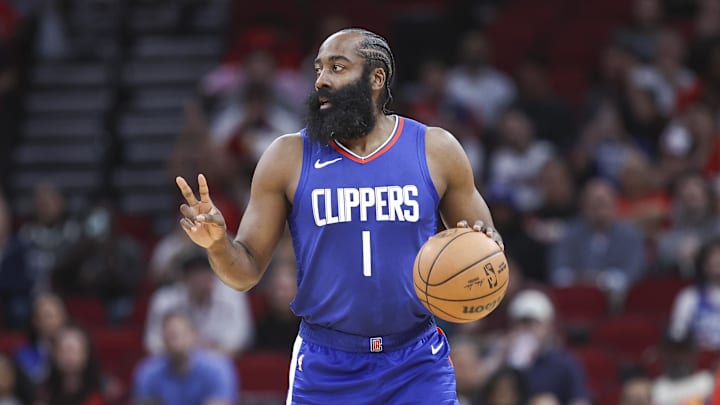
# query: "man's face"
[[178, 336], [341, 105], [200, 283]]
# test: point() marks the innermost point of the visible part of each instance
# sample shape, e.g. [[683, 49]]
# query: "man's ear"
[[378, 79]]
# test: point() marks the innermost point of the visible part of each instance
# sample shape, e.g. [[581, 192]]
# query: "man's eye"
[[337, 68]]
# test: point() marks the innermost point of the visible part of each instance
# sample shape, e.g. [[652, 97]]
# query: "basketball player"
[[361, 190]]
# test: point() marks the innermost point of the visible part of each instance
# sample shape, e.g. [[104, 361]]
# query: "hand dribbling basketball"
[[461, 274], [202, 221]]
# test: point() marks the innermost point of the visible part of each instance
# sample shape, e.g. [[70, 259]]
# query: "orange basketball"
[[460, 275]]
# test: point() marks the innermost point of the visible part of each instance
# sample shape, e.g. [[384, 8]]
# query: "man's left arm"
[[451, 172]]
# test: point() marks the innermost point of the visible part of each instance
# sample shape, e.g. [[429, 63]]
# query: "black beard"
[[351, 114]]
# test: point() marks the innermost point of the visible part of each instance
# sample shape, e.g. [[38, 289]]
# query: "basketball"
[[460, 275]]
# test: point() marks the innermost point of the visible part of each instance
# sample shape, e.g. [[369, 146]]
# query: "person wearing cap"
[[533, 348]]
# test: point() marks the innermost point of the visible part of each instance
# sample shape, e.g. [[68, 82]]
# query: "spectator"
[[597, 247], [635, 389], [641, 36], [694, 222], [195, 151], [52, 230], [428, 101], [259, 91], [476, 84], [507, 386], [706, 22], [549, 221], [603, 146], [110, 264], [278, 326], [696, 310], [508, 220], [610, 84], [667, 78], [680, 381], [14, 388], [18, 270], [48, 317], [221, 314], [552, 118], [642, 199], [519, 158], [533, 348], [75, 377], [261, 120], [184, 373], [168, 254], [470, 370]]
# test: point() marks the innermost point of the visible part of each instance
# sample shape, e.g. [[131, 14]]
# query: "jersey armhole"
[[424, 168], [304, 169]]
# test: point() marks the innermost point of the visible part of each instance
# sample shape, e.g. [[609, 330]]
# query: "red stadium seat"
[[11, 340], [708, 359], [653, 296], [140, 310], [263, 374], [601, 368], [118, 350], [88, 311], [629, 336], [258, 304], [580, 303]]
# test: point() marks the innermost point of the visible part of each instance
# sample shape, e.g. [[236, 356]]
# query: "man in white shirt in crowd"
[[222, 315]]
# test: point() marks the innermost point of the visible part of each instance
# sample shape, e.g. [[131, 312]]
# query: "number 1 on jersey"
[[367, 270]]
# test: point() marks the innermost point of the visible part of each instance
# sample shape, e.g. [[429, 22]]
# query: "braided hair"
[[376, 51]]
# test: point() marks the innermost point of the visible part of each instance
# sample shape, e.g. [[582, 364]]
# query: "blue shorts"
[[330, 367]]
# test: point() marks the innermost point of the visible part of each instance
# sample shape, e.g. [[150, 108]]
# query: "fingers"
[[186, 190], [215, 219], [188, 212], [204, 190], [187, 225], [480, 226]]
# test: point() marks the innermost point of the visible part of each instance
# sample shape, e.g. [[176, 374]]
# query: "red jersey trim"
[[375, 154]]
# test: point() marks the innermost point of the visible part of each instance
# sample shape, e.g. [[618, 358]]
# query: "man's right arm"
[[240, 263]]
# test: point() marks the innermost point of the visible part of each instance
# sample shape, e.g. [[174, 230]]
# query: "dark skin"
[[240, 263]]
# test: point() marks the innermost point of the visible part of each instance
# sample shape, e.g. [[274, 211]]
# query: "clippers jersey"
[[357, 225]]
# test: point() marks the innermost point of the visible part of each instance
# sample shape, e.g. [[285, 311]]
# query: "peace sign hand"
[[202, 221]]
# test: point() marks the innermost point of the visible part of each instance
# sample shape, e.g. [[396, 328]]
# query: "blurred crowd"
[[597, 193]]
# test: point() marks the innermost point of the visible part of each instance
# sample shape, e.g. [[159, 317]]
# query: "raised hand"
[[202, 221]]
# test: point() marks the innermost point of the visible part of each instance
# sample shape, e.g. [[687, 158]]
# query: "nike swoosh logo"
[[320, 165], [436, 349]]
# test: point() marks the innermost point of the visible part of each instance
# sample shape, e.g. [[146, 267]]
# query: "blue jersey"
[[357, 224]]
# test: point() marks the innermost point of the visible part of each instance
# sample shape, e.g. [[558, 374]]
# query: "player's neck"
[[384, 126]]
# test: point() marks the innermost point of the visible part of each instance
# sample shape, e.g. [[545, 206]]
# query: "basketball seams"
[[449, 315], [417, 266], [495, 291], [437, 256], [468, 267]]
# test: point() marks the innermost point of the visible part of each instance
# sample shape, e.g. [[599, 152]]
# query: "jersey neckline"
[[389, 142]]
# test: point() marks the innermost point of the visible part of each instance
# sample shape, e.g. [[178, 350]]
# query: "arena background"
[[591, 109]]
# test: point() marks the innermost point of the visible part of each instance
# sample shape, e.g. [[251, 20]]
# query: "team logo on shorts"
[[376, 344]]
